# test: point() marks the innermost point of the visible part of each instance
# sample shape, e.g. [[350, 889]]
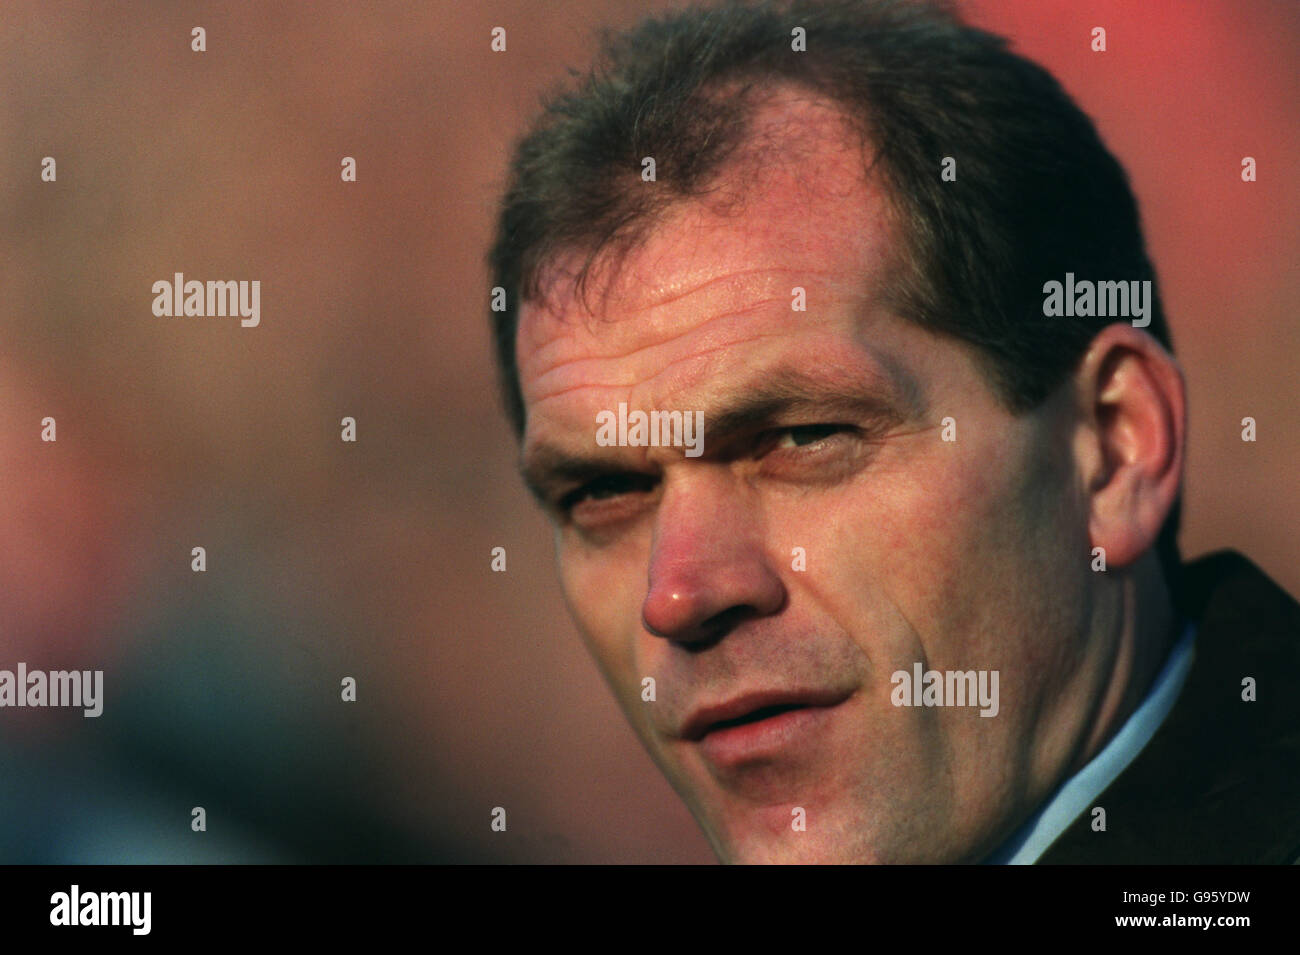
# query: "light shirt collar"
[[1077, 793]]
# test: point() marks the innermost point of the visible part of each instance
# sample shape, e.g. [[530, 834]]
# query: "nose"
[[708, 568]]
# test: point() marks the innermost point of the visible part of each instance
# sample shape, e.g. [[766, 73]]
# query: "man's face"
[[827, 537]]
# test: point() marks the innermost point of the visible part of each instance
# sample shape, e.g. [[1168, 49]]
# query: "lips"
[[752, 708]]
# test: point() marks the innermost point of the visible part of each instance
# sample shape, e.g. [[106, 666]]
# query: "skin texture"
[[966, 554]]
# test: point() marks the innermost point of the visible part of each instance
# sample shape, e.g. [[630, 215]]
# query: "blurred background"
[[371, 560]]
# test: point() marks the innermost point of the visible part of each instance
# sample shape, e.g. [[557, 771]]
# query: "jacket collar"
[[1220, 780]]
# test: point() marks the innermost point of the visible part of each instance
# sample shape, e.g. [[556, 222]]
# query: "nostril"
[[722, 623]]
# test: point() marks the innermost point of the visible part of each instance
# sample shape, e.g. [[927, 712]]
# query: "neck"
[[1146, 624]]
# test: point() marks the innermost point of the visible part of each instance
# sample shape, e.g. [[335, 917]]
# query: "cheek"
[[929, 551], [604, 593], [974, 555]]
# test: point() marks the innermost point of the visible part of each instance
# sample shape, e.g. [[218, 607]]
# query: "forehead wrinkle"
[[560, 342], [675, 293], [715, 338], [829, 375], [546, 319], [539, 401], [754, 399]]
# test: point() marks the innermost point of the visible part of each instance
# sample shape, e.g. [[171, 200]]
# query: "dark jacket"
[[1219, 782]]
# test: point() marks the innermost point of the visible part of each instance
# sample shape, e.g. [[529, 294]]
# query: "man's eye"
[[606, 487], [803, 435]]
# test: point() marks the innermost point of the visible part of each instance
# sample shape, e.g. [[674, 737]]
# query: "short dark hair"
[[1037, 193]]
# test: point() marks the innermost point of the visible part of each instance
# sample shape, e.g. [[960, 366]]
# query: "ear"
[[1135, 410]]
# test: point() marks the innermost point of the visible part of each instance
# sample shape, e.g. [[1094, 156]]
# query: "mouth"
[[764, 729], [762, 713], [751, 709]]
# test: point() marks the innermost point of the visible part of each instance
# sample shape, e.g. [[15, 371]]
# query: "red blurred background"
[[371, 560]]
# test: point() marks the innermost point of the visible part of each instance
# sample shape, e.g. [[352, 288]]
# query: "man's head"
[[916, 469]]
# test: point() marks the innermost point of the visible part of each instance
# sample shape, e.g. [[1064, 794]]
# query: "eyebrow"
[[879, 401], [787, 392]]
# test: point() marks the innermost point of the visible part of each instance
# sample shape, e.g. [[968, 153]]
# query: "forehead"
[[713, 280]]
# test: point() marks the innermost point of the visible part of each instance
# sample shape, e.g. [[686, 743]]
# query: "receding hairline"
[[776, 133]]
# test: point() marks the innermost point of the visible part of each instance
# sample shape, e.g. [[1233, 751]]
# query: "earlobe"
[[1137, 397]]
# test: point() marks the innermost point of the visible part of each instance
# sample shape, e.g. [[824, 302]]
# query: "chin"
[[802, 850], [765, 837]]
